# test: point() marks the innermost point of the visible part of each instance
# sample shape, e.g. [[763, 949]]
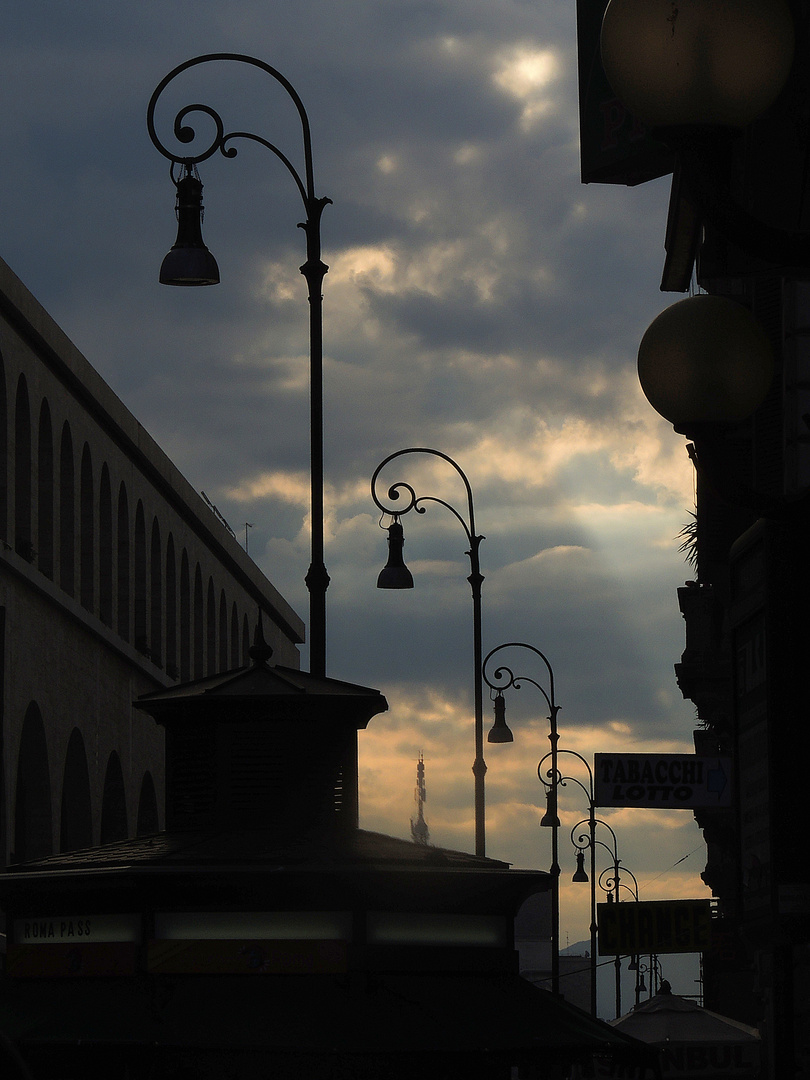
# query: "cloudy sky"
[[480, 300]]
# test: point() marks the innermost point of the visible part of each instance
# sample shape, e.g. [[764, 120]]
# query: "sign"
[[67, 946], [687, 1061], [654, 926], [76, 929], [670, 781]]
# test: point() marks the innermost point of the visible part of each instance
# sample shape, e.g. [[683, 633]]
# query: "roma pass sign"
[[654, 926], [662, 780]]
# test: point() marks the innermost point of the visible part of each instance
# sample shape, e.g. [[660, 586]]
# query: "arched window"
[[210, 629], [105, 549], [45, 491], [86, 532], [147, 808], [33, 815], [223, 632], [23, 544], [245, 641], [76, 826], [156, 596], [113, 803], [141, 640], [171, 609], [185, 619], [3, 453], [236, 659], [67, 513], [123, 563], [199, 625]]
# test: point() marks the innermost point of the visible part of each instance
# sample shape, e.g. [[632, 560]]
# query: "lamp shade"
[[189, 262], [697, 61], [500, 731], [395, 574], [705, 359]]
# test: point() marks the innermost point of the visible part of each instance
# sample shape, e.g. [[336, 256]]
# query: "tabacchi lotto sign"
[[668, 780]]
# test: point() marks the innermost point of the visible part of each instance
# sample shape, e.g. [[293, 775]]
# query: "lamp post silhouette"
[[609, 880], [654, 971], [547, 777], [395, 575], [504, 679], [190, 263]]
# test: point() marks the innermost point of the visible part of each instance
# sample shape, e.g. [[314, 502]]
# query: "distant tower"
[[419, 829]]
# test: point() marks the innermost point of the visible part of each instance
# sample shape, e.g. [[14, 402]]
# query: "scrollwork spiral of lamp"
[[190, 263], [499, 678], [395, 575]]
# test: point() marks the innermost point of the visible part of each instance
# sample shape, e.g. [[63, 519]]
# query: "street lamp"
[[653, 969], [395, 575], [547, 777], [609, 880], [502, 678], [190, 263]]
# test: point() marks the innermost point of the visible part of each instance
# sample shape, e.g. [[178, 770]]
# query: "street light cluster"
[[398, 500], [190, 263]]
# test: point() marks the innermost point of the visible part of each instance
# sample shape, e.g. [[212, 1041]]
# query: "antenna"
[[419, 828]]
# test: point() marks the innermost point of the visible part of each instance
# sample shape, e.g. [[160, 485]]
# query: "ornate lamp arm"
[[314, 270], [475, 578]]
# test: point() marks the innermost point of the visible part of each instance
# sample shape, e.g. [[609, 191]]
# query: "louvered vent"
[[191, 792], [257, 774]]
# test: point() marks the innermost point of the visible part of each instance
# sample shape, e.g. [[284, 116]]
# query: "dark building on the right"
[[739, 227]]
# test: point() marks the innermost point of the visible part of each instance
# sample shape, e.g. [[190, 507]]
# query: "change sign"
[[654, 926], [661, 780]]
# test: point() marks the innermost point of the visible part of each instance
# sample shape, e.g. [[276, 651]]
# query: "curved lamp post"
[[654, 971], [503, 678], [395, 575], [546, 775], [190, 263], [609, 880]]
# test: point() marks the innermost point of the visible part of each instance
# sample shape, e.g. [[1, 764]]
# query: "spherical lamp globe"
[[703, 360], [697, 61]]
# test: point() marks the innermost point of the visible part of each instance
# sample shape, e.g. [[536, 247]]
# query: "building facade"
[[739, 225], [116, 579]]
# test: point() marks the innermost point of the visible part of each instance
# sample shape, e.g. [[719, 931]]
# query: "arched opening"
[[3, 453], [245, 641], [141, 640], [147, 807], [210, 629], [235, 657], [76, 819], [113, 803], [23, 544], [199, 625], [156, 596], [45, 492], [105, 549], [171, 609], [33, 814], [185, 619], [223, 632], [123, 563], [67, 513], [87, 531]]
